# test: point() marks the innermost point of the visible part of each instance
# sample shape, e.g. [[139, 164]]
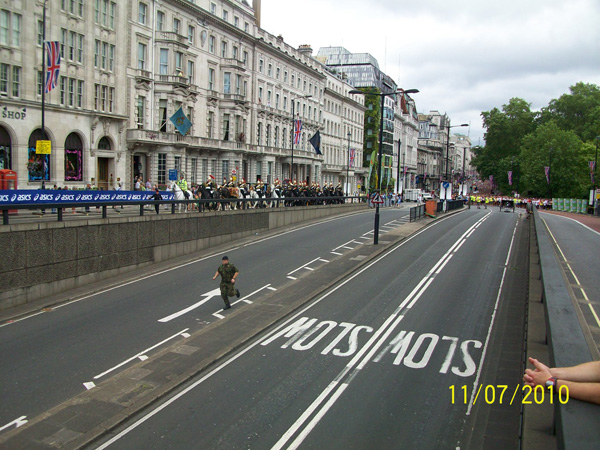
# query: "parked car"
[[427, 196]]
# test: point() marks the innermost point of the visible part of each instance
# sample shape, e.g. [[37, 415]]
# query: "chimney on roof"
[[305, 50], [256, 4]]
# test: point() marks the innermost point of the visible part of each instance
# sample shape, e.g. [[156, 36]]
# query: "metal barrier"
[[576, 422], [416, 212], [201, 204]]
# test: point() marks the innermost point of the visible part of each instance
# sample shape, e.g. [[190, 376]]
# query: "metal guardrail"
[[202, 204], [417, 212], [576, 422]]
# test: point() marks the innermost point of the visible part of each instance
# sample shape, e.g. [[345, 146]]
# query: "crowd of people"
[[259, 194]]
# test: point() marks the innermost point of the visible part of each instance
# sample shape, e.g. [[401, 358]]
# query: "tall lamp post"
[[448, 143], [348, 167], [596, 206], [378, 189], [294, 133]]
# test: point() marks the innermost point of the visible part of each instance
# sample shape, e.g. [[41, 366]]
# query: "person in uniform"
[[228, 274]]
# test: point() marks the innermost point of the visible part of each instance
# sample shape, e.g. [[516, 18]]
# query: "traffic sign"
[[377, 199]]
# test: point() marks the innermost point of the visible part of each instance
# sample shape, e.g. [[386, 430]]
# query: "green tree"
[[563, 152], [578, 111], [505, 130]]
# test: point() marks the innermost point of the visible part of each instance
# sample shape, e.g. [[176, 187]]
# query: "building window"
[[191, 33], [162, 114], [38, 165], [225, 127], [176, 25], [225, 15], [190, 72], [164, 61], [142, 11], [223, 49], [142, 56], [140, 112], [73, 158], [209, 124], [178, 62], [211, 79], [211, 45], [160, 20], [162, 168], [10, 28], [227, 83]]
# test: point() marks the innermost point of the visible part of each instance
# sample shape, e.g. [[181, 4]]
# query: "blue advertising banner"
[[35, 197]]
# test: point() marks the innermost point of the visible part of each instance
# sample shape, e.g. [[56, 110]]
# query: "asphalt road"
[[52, 356], [410, 352], [578, 249]]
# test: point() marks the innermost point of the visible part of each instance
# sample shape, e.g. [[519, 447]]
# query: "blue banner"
[[28, 197]]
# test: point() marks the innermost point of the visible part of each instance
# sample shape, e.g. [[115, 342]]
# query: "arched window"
[[104, 144], [38, 165], [5, 149], [73, 158]]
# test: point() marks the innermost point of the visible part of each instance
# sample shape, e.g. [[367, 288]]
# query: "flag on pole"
[[547, 170], [316, 142], [181, 122], [53, 65], [297, 131], [592, 170], [352, 156], [510, 177]]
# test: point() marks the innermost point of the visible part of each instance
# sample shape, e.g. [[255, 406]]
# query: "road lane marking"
[[244, 299], [141, 355], [16, 423], [493, 318], [209, 295]]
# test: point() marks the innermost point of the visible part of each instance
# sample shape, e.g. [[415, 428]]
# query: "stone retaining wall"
[[43, 259]]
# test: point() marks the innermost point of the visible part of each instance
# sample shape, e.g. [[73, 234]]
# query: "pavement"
[[93, 414], [588, 220]]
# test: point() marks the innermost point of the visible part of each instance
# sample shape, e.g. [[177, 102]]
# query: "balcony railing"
[[171, 36]]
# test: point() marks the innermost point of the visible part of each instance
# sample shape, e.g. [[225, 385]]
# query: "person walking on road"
[[228, 274]]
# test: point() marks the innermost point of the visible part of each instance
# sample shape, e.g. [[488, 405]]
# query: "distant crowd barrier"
[[575, 205]]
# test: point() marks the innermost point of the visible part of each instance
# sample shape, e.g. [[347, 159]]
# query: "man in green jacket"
[[228, 274]]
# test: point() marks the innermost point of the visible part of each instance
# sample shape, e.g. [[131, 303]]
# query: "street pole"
[[294, 133], [596, 209], [398, 169], [380, 151], [293, 137], [348, 167]]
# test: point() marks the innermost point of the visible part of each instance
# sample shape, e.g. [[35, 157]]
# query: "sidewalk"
[[588, 220]]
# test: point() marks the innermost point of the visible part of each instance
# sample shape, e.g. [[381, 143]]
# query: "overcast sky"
[[465, 56]]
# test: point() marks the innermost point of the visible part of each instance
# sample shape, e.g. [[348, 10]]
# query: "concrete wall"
[[42, 259]]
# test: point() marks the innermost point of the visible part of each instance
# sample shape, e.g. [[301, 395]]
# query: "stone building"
[[128, 66]]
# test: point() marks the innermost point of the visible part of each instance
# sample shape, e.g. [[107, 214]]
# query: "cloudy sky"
[[465, 56]]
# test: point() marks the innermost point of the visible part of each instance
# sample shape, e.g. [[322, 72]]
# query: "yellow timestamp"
[[500, 394]]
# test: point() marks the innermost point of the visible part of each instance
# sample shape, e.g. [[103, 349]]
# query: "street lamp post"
[[348, 167], [398, 170], [379, 153], [596, 206], [448, 143], [294, 133]]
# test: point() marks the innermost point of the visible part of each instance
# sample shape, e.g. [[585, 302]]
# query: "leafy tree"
[[578, 111], [505, 131], [563, 152]]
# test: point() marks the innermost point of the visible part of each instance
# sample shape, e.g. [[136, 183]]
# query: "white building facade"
[[128, 66]]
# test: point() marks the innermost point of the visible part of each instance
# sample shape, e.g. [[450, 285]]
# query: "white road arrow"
[[208, 295], [16, 423]]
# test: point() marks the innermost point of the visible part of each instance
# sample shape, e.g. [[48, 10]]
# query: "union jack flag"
[[297, 131], [53, 64]]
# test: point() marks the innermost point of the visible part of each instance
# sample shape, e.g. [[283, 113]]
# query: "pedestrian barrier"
[[576, 422]]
